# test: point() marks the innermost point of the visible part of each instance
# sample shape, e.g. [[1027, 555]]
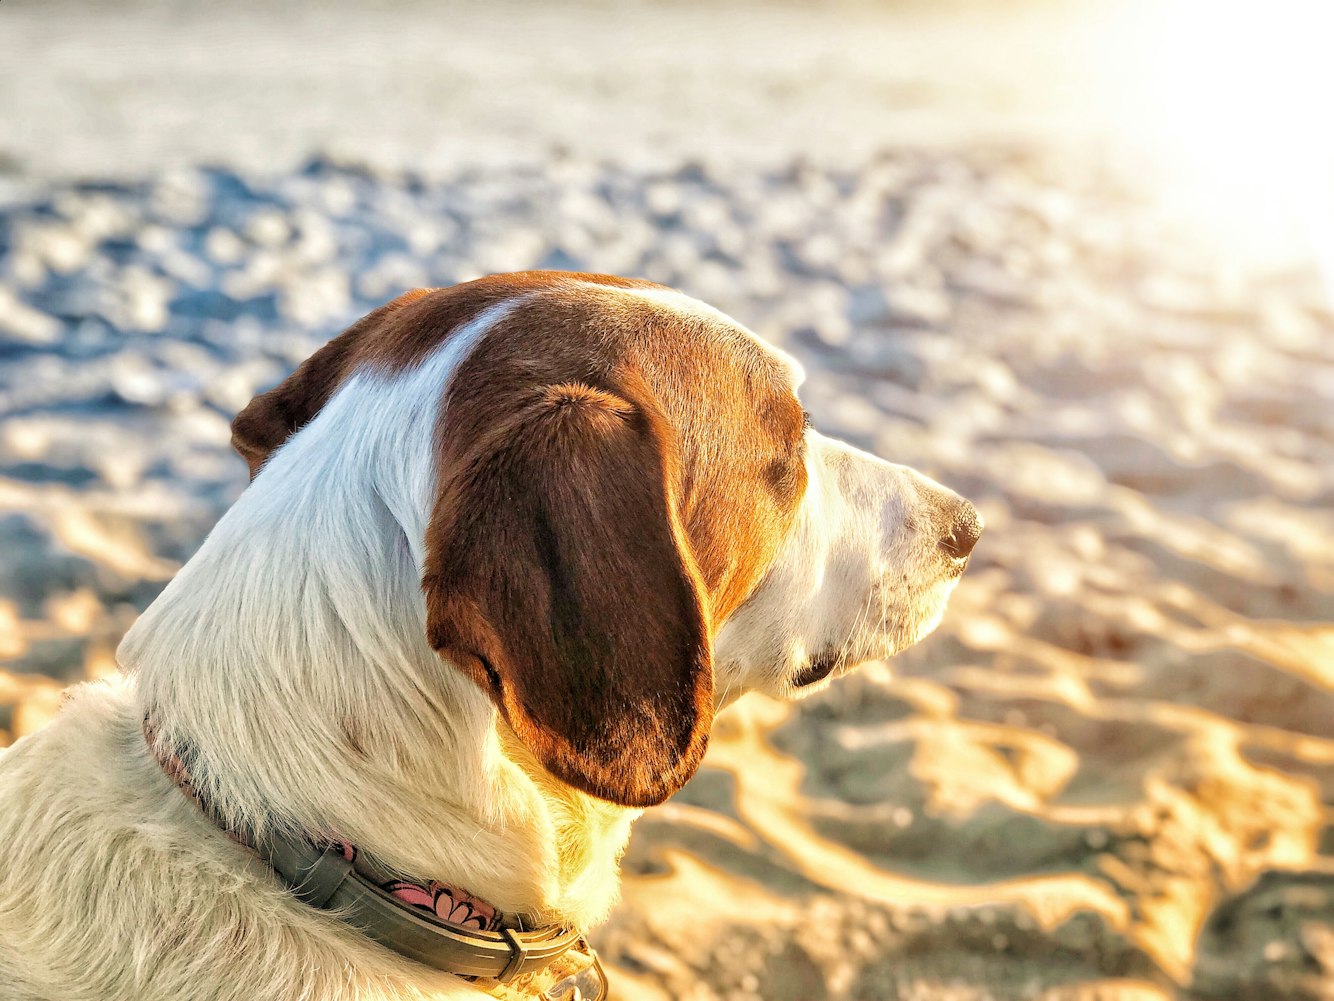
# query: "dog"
[[506, 549]]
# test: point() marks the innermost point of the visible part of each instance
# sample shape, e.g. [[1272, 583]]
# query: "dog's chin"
[[820, 672], [817, 672]]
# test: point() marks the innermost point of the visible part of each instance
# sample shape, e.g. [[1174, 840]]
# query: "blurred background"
[[1074, 259]]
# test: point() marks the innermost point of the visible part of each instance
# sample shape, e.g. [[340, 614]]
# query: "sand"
[[1110, 773]]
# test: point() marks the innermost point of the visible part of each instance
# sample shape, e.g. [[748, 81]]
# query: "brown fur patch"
[[556, 580]]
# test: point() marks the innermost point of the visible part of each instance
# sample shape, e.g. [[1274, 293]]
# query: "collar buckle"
[[518, 953]]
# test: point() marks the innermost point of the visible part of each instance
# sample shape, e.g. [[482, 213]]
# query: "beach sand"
[[1108, 775]]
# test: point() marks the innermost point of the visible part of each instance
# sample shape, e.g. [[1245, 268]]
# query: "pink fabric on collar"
[[448, 903]]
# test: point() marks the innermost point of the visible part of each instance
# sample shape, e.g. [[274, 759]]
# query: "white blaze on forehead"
[[684, 305], [408, 406]]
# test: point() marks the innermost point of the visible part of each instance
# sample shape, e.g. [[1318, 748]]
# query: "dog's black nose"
[[965, 530]]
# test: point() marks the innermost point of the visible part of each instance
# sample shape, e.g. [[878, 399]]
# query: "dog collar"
[[439, 926]]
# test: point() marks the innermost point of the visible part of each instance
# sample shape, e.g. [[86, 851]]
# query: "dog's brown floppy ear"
[[273, 417], [557, 580]]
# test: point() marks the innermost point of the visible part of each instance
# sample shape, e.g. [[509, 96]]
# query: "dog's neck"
[[291, 654]]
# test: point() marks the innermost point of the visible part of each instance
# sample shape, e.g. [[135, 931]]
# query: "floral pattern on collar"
[[447, 903]]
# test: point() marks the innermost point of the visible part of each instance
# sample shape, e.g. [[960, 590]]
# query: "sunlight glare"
[[1241, 101]]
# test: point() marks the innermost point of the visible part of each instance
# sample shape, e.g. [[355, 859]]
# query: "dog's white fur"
[[301, 613]]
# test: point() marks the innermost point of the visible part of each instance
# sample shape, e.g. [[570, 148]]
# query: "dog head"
[[626, 509]]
